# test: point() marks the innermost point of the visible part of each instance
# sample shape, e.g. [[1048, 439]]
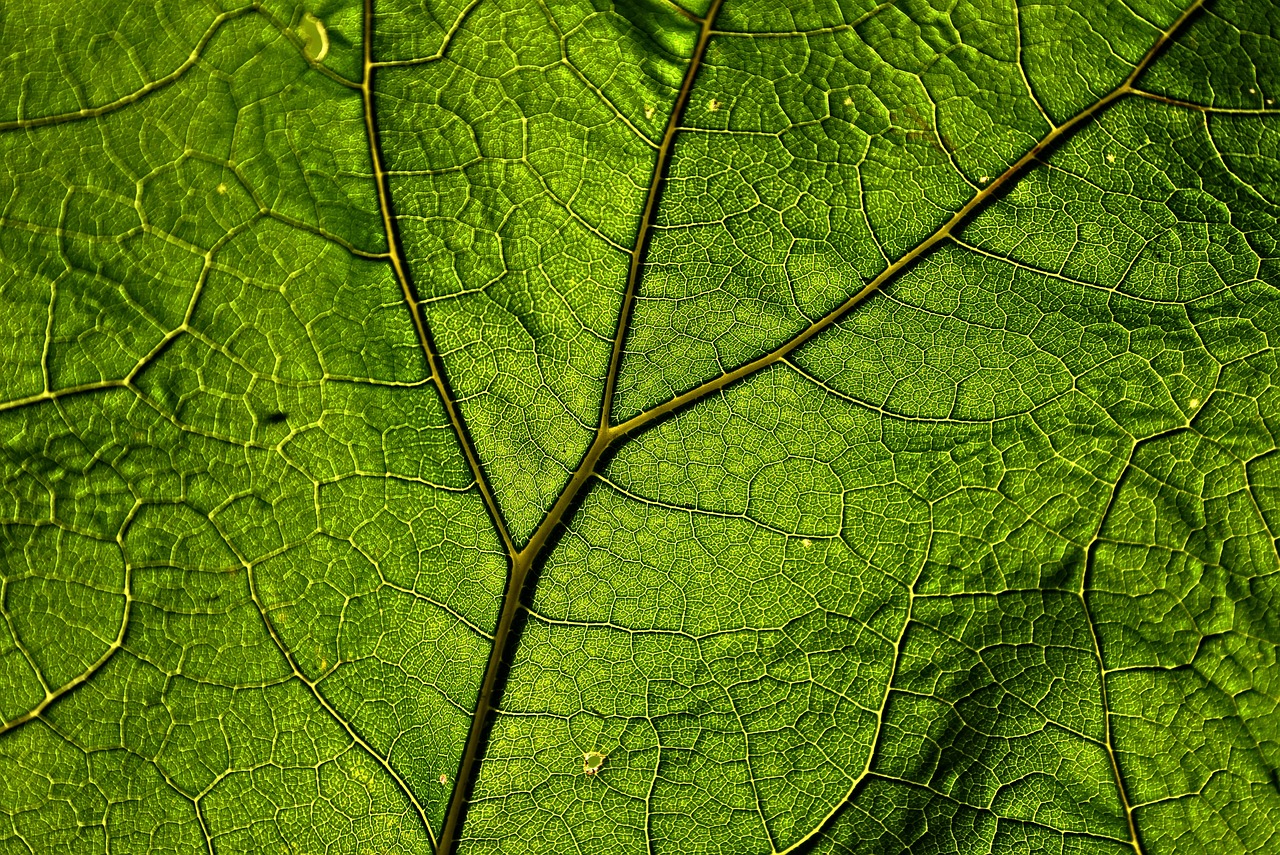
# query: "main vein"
[[523, 560], [410, 297]]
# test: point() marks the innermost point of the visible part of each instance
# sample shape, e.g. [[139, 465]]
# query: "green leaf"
[[737, 427]]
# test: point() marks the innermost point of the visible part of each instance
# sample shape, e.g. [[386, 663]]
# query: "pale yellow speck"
[[806, 543], [1253, 91], [714, 106], [848, 102], [1193, 403], [1111, 158], [592, 761], [648, 111], [222, 189], [984, 179], [444, 779]]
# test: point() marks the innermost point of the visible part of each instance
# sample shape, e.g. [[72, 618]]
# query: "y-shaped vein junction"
[[608, 433]]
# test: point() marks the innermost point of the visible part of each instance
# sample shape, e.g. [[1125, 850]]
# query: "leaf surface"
[[736, 427]]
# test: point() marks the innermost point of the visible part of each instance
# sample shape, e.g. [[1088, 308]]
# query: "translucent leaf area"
[[636, 428]]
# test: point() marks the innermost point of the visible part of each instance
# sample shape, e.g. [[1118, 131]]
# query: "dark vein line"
[[817, 31], [296, 40], [868, 771], [657, 183], [1108, 739], [600, 95], [322, 234], [523, 560], [881, 716], [1022, 67], [1113, 290], [1030, 823], [682, 11], [1205, 108], [204, 824], [457, 798], [409, 293]]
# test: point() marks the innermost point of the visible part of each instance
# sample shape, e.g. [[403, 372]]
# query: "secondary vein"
[[409, 294], [944, 232]]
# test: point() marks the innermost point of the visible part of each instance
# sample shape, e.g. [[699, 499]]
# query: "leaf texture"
[[567, 426]]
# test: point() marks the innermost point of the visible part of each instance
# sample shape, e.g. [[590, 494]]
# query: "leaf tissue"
[[650, 426]]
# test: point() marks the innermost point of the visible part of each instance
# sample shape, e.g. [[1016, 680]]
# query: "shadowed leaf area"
[[698, 427]]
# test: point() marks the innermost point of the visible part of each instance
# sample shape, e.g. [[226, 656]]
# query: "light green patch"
[[315, 37], [592, 761]]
